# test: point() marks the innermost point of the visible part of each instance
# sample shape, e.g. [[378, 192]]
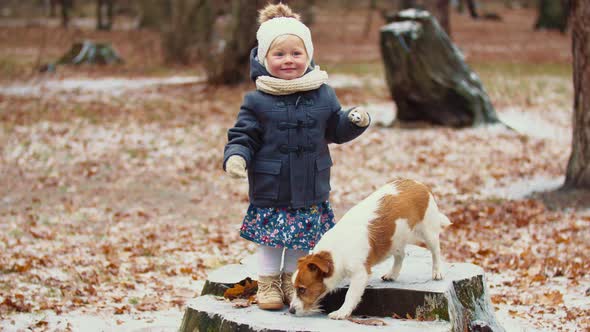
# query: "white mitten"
[[359, 117], [235, 166]]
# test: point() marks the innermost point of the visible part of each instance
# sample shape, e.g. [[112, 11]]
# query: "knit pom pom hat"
[[278, 20]]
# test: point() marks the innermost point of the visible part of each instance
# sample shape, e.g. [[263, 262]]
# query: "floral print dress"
[[298, 229]]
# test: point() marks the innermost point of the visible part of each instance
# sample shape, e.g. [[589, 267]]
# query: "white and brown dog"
[[399, 213]]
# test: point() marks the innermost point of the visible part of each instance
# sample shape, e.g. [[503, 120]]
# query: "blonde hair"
[[282, 38]]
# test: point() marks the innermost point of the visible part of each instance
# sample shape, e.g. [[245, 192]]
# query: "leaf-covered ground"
[[113, 201]]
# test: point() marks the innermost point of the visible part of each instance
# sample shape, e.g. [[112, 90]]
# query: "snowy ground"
[[92, 89]]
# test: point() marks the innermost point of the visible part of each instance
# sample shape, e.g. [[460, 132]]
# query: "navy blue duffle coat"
[[284, 140]]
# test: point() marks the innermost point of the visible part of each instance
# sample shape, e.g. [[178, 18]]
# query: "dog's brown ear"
[[321, 261], [301, 259]]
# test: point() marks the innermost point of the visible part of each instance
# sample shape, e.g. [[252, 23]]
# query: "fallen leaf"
[[370, 321], [122, 310], [243, 289], [551, 298], [241, 303]]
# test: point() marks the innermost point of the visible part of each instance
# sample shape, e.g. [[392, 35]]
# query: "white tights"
[[269, 260]]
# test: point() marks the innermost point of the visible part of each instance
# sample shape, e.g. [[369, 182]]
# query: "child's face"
[[287, 58]]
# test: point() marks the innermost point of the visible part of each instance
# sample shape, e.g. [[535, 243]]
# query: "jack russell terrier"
[[399, 213]]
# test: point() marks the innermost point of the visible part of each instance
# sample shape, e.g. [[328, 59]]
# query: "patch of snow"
[[512, 324], [401, 27], [345, 81], [354, 81], [532, 125], [79, 321], [199, 286], [382, 114], [111, 86], [524, 187]]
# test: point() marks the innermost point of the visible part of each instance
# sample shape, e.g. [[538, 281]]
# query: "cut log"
[[427, 75], [453, 304]]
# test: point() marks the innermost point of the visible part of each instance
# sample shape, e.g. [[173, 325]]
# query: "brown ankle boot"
[[287, 287], [269, 295]]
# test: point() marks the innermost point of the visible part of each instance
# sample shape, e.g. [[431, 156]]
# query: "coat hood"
[[257, 69]]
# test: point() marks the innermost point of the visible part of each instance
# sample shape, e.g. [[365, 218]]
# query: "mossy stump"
[[88, 52], [427, 76], [456, 303]]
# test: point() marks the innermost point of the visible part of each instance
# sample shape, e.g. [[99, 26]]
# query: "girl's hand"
[[235, 166], [359, 117]]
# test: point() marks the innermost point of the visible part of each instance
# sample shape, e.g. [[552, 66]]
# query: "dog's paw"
[[339, 314], [389, 277], [437, 275]]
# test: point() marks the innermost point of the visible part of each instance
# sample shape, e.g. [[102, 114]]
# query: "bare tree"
[[470, 7], [220, 33], [442, 13], [578, 168], [369, 20], [66, 6], [191, 24], [52, 6], [154, 14], [228, 62], [101, 6]]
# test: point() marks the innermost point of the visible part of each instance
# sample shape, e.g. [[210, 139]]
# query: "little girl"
[[281, 138]]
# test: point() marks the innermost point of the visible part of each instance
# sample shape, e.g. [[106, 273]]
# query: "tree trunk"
[[472, 9], [154, 14], [443, 15], [100, 8], [52, 5], [470, 6], [578, 168], [369, 19], [66, 5], [229, 64], [552, 14], [191, 25]]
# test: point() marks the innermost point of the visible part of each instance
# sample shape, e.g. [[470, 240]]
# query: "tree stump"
[[427, 75], [88, 52], [459, 302], [552, 14]]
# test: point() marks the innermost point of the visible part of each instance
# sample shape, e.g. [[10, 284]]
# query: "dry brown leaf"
[[370, 321], [122, 310], [241, 303], [243, 289], [551, 298]]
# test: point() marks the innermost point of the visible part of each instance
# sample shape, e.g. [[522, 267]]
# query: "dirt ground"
[[114, 200]]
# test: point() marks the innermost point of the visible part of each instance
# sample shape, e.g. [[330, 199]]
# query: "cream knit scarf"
[[279, 87]]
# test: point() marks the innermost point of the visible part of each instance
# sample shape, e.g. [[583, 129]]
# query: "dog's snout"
[[292, 310]]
